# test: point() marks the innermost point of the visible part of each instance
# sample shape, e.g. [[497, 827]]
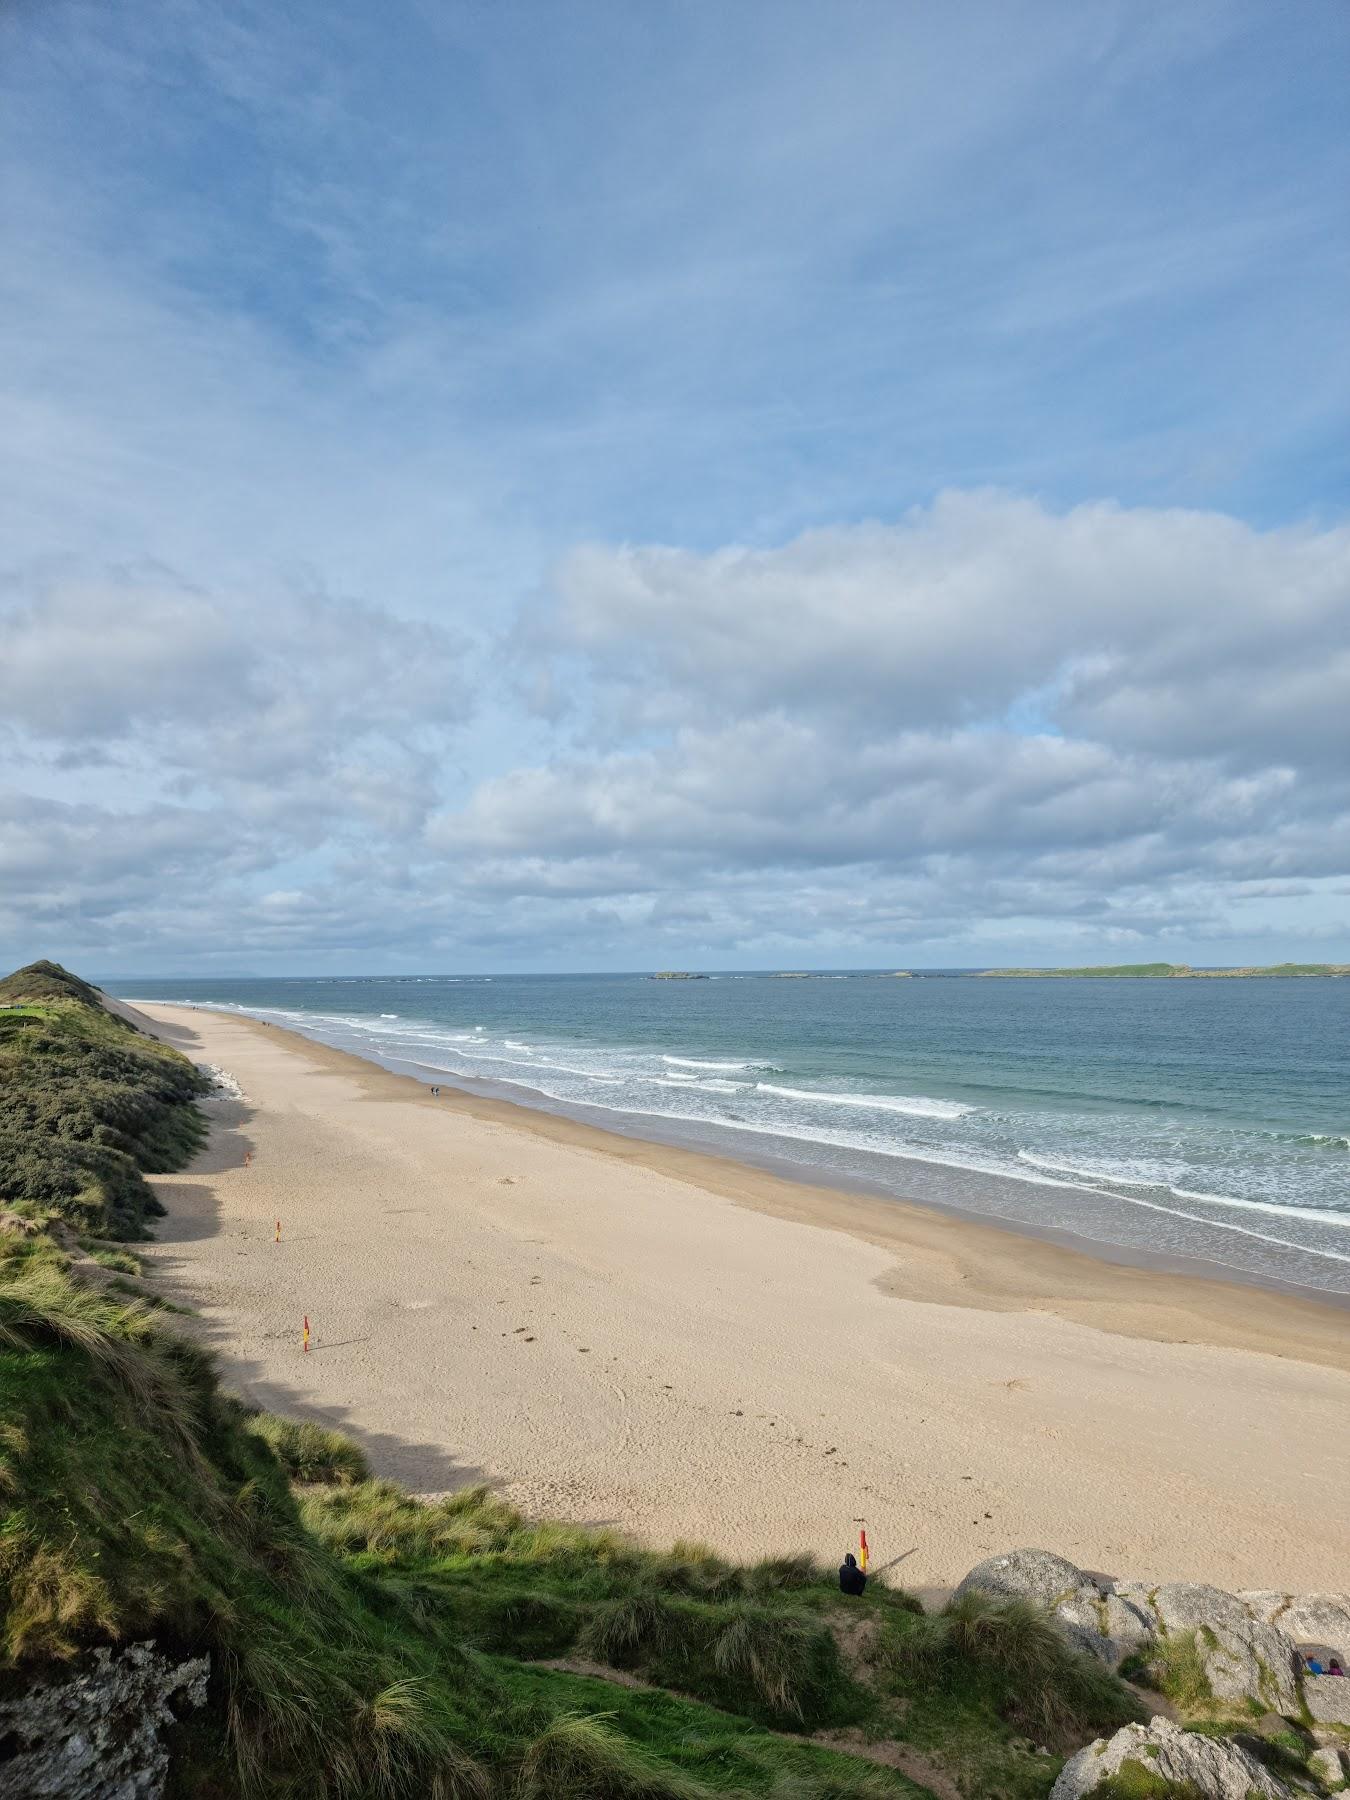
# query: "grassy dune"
[[365, 1644]]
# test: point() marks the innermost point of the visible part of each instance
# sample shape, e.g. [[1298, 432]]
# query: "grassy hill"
[[87, 1105], [367, 1646]]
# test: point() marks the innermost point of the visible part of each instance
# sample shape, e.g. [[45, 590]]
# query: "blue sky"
[[593, 486]]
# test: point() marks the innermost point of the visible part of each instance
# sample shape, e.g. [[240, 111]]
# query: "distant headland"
[[1175, 972]]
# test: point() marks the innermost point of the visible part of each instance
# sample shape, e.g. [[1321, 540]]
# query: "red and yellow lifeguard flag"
[[862, 1550], [305, 1340]]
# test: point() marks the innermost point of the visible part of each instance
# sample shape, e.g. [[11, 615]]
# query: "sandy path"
[[610, 1341]]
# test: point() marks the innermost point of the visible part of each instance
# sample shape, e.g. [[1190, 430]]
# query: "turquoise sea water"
[[1201, 1119]]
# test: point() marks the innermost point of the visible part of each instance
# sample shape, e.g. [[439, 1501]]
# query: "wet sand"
[[620, 1332]]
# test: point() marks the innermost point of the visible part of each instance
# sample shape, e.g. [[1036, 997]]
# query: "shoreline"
[[1005, 1264], [688, 1347]]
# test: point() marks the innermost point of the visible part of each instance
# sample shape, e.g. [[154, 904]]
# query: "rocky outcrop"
[[1090, 1611], [1216, 1767], [97, 1735], [1244, 1658], [1307, 1618], [1247, 1643]]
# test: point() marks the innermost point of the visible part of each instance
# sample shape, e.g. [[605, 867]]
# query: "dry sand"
[[618, 1333]]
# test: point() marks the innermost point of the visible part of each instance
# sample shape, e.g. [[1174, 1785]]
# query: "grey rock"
[[1325, 1764], [1093, 1614], [1328, 1698], [1220, 1769], [1244, 1658], [96, 1735], [1307, 1618]]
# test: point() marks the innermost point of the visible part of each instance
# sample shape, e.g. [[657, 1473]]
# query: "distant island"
[[675, 975], [1172, 972]]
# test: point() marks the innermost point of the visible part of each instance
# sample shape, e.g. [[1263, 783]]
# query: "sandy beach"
[[625, 1334]]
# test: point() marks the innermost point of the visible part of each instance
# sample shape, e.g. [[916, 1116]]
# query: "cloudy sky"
[[603, 485]]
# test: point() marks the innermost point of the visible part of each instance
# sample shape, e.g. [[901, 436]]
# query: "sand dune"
[[620, 1333]]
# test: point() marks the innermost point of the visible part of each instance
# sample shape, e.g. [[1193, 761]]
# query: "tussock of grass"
[[310, 1453], [580, 1758], [638, 1626], [389, 1526], [783, 1573], [122, 1262], [778, 1656], [1008, 1653], [1176, 1667]]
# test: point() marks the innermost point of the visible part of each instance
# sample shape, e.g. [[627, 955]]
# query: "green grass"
[[1134, 1781], [136, 1500], [309, 1452], [88, 1106], [1107, 971], [1176, 1667], [363, 1643]]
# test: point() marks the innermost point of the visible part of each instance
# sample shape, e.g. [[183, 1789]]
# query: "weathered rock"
[[1325, 1764], [1091, 1612], [1244, 1658], [1307, 1618], [1220, 1769], [96, 1736], [1328, 1698]]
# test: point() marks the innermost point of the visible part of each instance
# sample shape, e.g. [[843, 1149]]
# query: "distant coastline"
[[1158, 971], [1172, 972]]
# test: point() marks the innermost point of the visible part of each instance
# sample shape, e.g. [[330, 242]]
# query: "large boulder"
[[1328, 1698], [1244, 1658], [1325, 1764], [1307, 1618], [96, 1735], [1217, 1767], [1090, 1611]]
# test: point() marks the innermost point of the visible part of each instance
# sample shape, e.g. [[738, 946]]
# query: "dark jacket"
[[851, 1578]]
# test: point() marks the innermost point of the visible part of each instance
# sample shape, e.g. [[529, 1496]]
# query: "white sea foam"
[[917, 1106], [693, 1062], [1142, 1171]]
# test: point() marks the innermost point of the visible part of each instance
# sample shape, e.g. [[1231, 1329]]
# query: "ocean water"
[[1183, 1120]]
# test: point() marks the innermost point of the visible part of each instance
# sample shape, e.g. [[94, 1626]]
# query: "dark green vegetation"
[[1174, 971], [367, 1646], [87, 1103]]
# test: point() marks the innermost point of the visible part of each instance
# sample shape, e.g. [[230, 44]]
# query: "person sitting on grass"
[[851, 1578]]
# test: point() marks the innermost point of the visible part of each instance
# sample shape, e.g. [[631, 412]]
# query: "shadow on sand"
[[194, 1213]]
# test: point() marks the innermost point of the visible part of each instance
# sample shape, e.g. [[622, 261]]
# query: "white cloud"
[[856, 704]]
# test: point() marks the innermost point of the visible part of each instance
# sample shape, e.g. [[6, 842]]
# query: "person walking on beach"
[[851, 1578]]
